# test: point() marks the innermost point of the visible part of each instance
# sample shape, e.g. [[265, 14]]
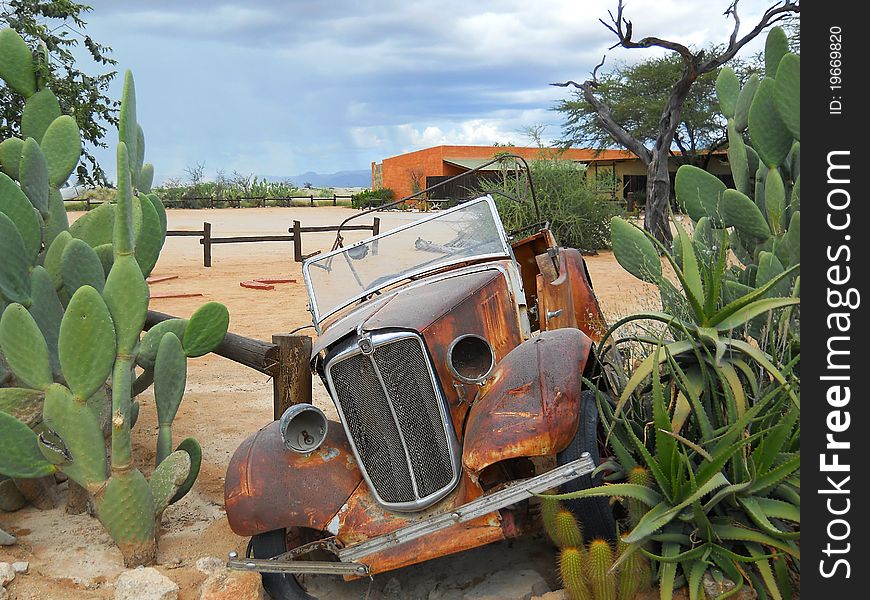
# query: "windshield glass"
[[469, 231]]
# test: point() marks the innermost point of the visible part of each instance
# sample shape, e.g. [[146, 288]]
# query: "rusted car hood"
[[413, 306]]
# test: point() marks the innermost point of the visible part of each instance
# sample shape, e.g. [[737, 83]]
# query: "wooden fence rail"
[[259, 201], [207, 240]]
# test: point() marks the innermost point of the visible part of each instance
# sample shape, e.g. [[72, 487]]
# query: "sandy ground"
[[72, 557]]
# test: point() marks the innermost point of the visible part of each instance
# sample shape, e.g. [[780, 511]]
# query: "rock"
[[557, 595], [6, 539], [21, 567], [7, 574], [145, 583], [225, 584], [714, 589], [210, 564], [3, 593], [393, 590], [509, 585]]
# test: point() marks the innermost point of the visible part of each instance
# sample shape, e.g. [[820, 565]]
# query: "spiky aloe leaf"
[[744, 215], [775, 48], [128, 128], [16, 63], [79, 428], [572, 571], [80, 266], [170, 377], [126, 295], [194, 451], [634, 251], [146, 178], [150, 237], [54, 258], [770, 137], [33, 175], [47, 311], [40, 110], [24, 347], [727, 90], [744, 101], [21, 457], [787, 93], [699, 193], [95, 227], [126, 510], [62, 146], [774, 200], [10, 156], [57, 219], [15, 205], [207, 328], [86, 346], [151, 340], [23, 404], [14, 268], [167, 478]]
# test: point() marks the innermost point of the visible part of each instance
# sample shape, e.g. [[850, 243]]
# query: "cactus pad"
[[126, 295], [40, 110], [21, 457], [57, 218], [150, 237], [170, 377], [10, 156], [151, 340], [62, 146], [80, 266], [744, 101], [24, 347], [787, 93], [33, 175], [727, 90], [86, 346], [774, 200], [167, 477], [47, 311], [775, 48], [23, 404], [207, 328], [95, 226], [16, 63], [146, 178], [14, 275], [744, 215], [770, 138], [126, 509], [15, 205], [634, 251], [194, 451], [54, 258], [78, 426]]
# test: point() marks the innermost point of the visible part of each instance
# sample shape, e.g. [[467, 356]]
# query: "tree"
[[635, 94], [54, 27], [694, 65]]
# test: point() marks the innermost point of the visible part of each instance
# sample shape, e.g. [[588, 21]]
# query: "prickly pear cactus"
[[73, 302]]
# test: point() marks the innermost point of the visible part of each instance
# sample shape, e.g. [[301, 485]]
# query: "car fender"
[[530, 405], [269, 487]]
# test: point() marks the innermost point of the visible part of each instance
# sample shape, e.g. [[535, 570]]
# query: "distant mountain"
[[341, 179]]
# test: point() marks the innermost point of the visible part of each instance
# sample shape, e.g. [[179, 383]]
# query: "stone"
[[557, 595], [210, 564], [226, 584], [509, 585], [6, 539], [714, 589], [393, 590], [145, 583], [7, 574], [21, 567], [3, 593]]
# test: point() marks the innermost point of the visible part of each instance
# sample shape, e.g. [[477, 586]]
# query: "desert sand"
[[71, 557]]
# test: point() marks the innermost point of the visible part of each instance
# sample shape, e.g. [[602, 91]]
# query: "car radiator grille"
[[396, 419]]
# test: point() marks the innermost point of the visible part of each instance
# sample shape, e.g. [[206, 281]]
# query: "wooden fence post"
[[206, 244], [334, 199], [291, 378], [297, 241], [376, 229]]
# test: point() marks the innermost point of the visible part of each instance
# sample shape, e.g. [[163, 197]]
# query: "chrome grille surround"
[[395, 417]]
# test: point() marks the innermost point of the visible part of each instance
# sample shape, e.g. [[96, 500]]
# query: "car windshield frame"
[[319, 314]]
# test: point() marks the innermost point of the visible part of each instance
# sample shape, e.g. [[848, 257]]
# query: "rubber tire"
[[594, 514], [277, 586]]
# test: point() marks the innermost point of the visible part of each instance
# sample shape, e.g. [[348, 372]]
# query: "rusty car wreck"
[[455, 357]]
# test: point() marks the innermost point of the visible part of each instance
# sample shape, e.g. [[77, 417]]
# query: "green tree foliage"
[[636, 93], [56, 27]]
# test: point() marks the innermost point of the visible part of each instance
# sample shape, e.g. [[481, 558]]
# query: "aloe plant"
[[73, 302]]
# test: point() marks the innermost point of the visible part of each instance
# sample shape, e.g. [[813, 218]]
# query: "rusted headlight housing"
[[470, 358], [303, 428]]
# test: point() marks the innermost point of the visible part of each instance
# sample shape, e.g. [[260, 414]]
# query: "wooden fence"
[[208, 240], [258, 201]]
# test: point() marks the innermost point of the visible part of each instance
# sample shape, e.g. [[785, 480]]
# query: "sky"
[[279, 88]]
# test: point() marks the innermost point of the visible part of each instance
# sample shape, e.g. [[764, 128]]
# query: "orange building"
[[414, 171]]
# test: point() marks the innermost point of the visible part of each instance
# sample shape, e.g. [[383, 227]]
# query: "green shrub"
[[372, 198], [577, 217]]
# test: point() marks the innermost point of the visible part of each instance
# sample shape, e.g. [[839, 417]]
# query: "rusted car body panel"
[[268, 487], [568, 300], [530, 407]]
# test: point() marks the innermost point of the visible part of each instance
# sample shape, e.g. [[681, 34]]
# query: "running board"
[[348, 557], [513, 493]]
